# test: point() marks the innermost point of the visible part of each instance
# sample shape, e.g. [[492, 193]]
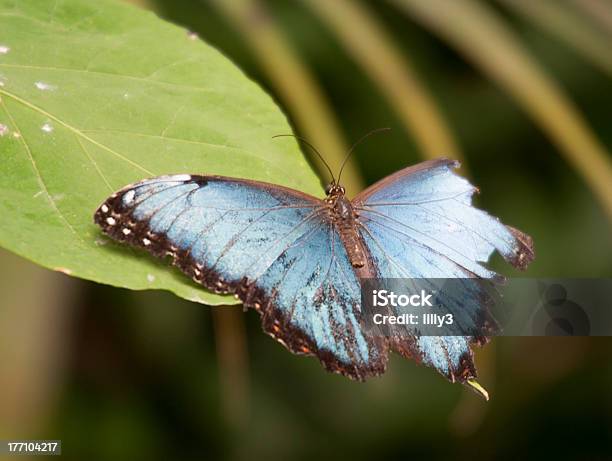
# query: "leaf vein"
[[93, 162], [39, 177], [75, 130], [113, 74]]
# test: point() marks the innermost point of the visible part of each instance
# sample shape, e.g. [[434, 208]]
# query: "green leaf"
[[97, 95]]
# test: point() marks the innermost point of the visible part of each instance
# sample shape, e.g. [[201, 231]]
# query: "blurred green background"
[[521, 91]]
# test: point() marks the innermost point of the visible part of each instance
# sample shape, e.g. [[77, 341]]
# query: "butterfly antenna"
[[313, 148], [363, 138]]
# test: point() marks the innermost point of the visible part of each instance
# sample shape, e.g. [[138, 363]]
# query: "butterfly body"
[[344, 219], [298, 260]]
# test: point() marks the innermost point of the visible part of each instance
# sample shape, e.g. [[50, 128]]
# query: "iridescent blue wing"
[[273, 247], [420, 223]]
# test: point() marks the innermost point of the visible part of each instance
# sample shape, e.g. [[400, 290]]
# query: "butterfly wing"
[[273, 247], [420, 223]]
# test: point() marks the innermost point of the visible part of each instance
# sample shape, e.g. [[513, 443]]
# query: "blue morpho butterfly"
[[297, 259]]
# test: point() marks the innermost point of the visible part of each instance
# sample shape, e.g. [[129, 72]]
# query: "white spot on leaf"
[[16, 134], [3, 129], [192, 35], [47, 128], [58, 197], [63, 270], [4, 49], [150, 278], [45, 86], [197, 299]]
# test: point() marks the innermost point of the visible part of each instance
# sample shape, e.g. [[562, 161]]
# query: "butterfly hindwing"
[[271, 246], [314, 278]]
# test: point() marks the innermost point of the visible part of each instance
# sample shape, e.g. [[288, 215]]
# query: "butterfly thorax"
[[344, 219]]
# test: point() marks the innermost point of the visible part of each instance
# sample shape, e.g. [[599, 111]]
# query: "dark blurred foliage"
[[142, 375]]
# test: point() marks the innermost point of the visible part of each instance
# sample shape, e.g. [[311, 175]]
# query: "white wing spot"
[[181, 177], [47, 128], [4, 49], [104, 209], [126, 231], [129, 196], [146, 241], [3, 129], [111, 221], [45, 86], [150, 278]]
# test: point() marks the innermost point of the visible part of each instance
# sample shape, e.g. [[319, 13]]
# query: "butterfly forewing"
[[273, 247]]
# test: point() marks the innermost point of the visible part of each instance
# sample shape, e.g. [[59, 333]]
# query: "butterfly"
[[298, 260]]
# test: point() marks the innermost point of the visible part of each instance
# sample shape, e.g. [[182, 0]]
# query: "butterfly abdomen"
[[345, 221]]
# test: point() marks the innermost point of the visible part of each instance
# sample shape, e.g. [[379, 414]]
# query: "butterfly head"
[[334, 190]]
